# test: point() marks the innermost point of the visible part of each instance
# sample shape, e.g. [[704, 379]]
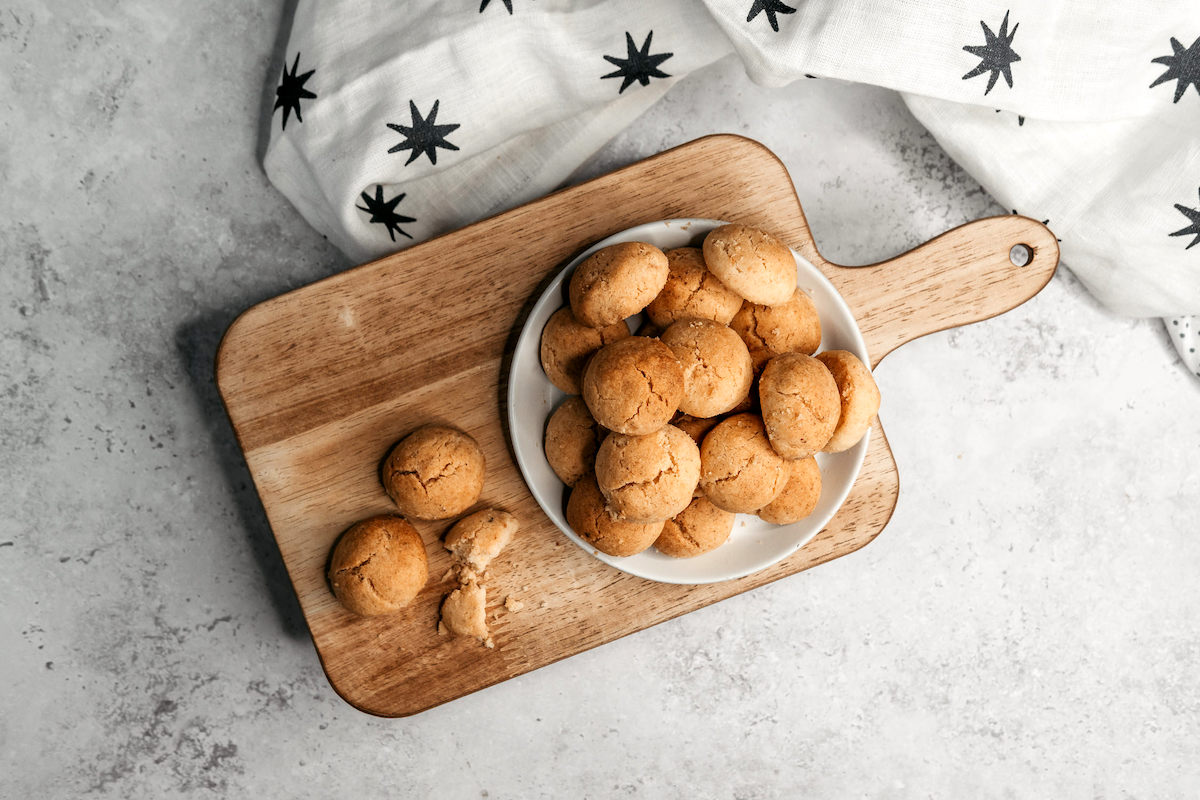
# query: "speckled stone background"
[[1027, 625]]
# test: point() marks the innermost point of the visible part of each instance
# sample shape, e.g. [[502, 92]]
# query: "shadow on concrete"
[[271, 79], [197, 341]]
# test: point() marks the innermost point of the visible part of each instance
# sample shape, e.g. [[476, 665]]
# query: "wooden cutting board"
[[320, 382]]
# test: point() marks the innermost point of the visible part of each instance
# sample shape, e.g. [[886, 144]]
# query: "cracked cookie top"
[[591, 518], [572, 437], [436, 472], [616, 282], [696, 530], [378, 566], [692, 291], [739, 471], [567, 344], [752, 263], [633, 385], [789, 327], [717, 371], [649, 477]]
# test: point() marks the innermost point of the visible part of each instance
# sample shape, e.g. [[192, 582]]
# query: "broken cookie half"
[[474, 542]]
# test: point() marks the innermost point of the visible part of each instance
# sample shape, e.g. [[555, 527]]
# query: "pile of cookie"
[[716, 407], [379, 565]]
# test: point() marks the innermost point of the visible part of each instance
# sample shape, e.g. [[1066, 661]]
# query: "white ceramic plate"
[[754, 544]]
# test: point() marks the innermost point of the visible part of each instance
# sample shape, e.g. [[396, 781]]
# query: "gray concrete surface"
[[1027, 625]]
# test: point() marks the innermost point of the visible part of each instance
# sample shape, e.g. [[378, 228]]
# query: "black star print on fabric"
[[1193, 215], [995, 54], [507, 4], [1183, 67], [770, 8], [291, 91], [638, 65], [384, 212], [424, 135]]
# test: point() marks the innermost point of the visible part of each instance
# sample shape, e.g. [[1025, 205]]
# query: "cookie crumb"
[[474, 541], [513, 604], [464, 611]]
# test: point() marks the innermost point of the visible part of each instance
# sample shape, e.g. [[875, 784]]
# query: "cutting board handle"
[[963, 276]]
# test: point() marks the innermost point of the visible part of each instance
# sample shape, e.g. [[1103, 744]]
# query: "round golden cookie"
[[752, 263], [617, 282], [790, 327], [478, 538], [739, 471], [800, 404], [378, 566], [697, 529], [435, 472], [592, 520], [859, 394], [692, 291], [633, 385], [799, 496], [567, 343], [648, 477], [717, 372], [572, 437]]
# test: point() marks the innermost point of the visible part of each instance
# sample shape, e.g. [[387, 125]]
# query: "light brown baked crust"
[[591, 519], [752, 263], [572, 437], [617, 282], [649, 477], [633, 386], [790, 327], [749, 403], [478, 538], [800, 404], [698, 529], [692, 291], [717, 371], [567, 344], [378, 566], [697, 428], [799, 496], [436, 472], [859, 397], [739, 470]]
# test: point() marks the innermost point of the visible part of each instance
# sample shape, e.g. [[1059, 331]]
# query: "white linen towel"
[[396, 122]]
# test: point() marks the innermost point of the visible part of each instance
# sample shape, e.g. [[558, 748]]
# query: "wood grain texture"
[[320, 382]]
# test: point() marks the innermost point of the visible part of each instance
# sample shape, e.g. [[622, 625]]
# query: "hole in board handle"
[[1020, 255]]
